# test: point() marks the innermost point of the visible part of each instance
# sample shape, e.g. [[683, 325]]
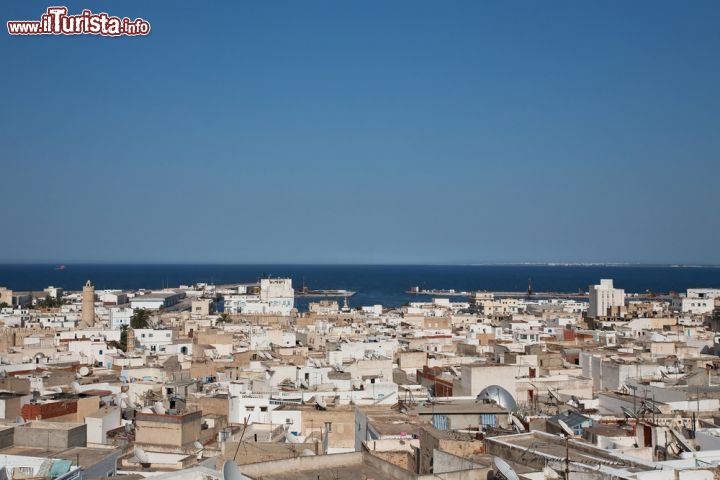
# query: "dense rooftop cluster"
[[194, 381]]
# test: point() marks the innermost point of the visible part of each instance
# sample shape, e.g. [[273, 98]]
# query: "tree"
[[140, 319], [122, 344], [224, 318], [123, 338], [49, 302], [4, 305]]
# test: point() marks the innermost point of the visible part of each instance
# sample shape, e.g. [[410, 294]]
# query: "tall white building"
[[603, 297], [272, 296]]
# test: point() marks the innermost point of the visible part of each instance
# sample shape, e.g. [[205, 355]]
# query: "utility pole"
[[567, 457]]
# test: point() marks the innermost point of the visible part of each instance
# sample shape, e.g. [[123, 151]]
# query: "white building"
[[119, 316], [603, 297], [99, 423], [112, 297], [697, 301], [694, 305], [157, 300], [703, 293], [275, 297], [151, 339], [91, 351], [54, 292]]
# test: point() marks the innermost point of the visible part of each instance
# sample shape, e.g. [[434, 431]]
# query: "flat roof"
[[548, 445], [352, 467], [38, 424], [7, 395], [86, 456], [459, 408]]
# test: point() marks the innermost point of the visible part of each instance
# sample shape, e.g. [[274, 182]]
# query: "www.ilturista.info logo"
[[57, 22]]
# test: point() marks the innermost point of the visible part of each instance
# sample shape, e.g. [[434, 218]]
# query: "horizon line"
[[384, 264]]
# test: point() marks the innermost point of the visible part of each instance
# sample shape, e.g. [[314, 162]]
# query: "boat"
[[60, 267], [308, 292]]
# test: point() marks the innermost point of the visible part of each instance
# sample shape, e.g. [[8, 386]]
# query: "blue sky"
[[365, 132]]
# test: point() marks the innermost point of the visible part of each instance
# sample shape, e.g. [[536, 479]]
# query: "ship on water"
[[308, 292]]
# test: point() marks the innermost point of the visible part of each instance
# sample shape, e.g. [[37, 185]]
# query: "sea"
[[374, 284]]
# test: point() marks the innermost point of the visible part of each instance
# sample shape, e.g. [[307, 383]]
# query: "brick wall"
[[48, 410]]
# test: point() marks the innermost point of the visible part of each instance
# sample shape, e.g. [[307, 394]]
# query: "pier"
[[528, 295]]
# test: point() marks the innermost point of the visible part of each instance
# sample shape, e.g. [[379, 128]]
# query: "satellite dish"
[[141, 455], [146, 410], [550, 474], [290, 438], [159, 408], [19, 420], [75, 386], [231, 471], [628, 413], [84, 371], [307, 453], [650, 405], [518, 424], [199, 449], [320, 402], [566, 428], [504, 470], [554, 395]]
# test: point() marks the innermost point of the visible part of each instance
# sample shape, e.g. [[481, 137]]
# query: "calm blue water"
[[374, 283]]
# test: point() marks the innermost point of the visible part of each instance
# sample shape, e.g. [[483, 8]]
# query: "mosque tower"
[[88, 305]]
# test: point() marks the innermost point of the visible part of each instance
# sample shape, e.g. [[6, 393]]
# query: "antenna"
[[504, 470], [568, 435], [566, 428]]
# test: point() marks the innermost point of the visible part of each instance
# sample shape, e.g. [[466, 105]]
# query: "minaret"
[[88, 305]]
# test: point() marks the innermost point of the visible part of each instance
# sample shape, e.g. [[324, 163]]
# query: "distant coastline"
[[375, 284]]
